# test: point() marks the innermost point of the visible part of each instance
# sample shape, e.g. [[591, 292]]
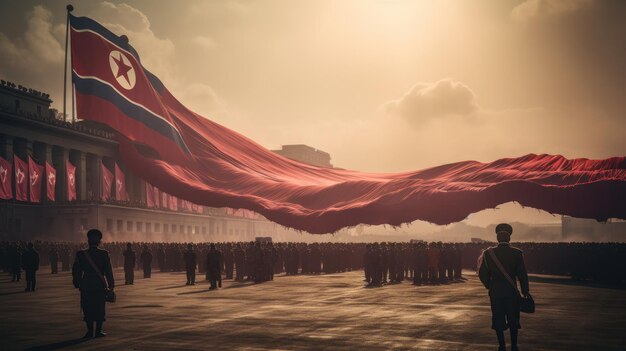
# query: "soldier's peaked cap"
[[504, 228]]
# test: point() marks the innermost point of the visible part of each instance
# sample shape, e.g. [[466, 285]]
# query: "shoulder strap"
[[501, 269], [95, 268]]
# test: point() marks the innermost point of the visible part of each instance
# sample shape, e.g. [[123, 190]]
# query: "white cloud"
[[431, 100], [37, 48], [532, 9]]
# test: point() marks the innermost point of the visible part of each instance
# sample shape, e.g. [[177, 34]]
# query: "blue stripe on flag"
[[94, 87]]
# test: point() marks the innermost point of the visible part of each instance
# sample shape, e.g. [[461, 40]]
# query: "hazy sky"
[[380, 85]]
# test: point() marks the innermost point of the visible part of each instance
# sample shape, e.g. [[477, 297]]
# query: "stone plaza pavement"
[[324, 312]]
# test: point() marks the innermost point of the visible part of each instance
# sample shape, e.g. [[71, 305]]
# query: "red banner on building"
[[120, 184], [197, 208], [70, 173], [164, 200], [6, 191], [51, 182], [21, 179], [152, 196], [107, 183], [186, 205], [35, 175], [173, 202]]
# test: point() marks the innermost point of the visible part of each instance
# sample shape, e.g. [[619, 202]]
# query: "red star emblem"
[[122, 68]]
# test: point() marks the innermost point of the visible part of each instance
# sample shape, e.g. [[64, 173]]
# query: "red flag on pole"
[[120, 184], [35, 175], [107, 183], [21, 179], [6, 191], [51, 178], [71, 181]]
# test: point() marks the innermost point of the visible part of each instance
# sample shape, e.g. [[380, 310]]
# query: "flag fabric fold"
[[203, 162], [21, 178], [6, 190], [51, 182], [35, 176]]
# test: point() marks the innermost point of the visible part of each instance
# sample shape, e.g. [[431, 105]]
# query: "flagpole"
[[69, 8]]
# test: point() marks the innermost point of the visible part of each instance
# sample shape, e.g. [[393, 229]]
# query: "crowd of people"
[[383, 263]]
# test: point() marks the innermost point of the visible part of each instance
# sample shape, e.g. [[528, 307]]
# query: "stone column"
[[81, 176]]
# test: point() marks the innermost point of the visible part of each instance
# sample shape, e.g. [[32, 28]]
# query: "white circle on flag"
[[122, 69]]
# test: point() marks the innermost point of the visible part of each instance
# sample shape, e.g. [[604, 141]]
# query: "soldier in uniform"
[[54, 260], [214, 267], [146, 261], [15, 259], [30, 263], [240, 259], [504, 298], [191, 261], [90, 266], [129, 265], [228, 261], [161, 258]]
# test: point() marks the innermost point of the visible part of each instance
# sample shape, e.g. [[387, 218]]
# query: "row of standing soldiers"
[[421, 262]]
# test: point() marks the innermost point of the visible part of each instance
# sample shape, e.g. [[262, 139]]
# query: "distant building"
[[29, 128], [306, 154], [580, 229]]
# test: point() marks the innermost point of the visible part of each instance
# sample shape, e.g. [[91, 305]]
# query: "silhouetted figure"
[[214, 267], [504, 298], [129, 265], [240, 260], [30, 263], [90, 266], [54, 260], [146, 261], [15, 259], [161, 258], [228, 262], [191, 261]]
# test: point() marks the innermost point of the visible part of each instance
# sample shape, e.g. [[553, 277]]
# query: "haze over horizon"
[[383, 86]]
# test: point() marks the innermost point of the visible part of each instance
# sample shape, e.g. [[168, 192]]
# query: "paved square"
[[306, 312]]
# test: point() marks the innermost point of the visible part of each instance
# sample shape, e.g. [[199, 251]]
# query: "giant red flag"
[[21, 179], [51, 179], [201, 161], [6, 191], [35, 176], [107, 183], [70, 174]]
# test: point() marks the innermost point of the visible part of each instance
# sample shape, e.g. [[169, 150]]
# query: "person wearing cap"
[[505, 308], [89, 267]]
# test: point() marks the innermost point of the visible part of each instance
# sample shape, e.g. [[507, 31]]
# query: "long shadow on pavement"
[[569, 281], [57, 345]]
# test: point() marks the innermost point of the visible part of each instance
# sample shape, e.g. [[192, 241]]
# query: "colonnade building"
[[30, 128]]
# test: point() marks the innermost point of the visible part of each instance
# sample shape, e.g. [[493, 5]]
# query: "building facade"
[[306, 154], [29, 128]]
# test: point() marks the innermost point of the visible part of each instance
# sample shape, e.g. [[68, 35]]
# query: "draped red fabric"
[[6, 191], [152, 197], [203, 162], [21, 179], [35, 176], [51, 182]]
